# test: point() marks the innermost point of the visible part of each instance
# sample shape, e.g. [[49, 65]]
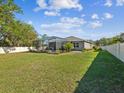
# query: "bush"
[[68, 46], [86, 50], [96, 48], [57, 52], [53, 52]]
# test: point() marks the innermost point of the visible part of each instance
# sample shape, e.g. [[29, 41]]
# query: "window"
[[76, 44]]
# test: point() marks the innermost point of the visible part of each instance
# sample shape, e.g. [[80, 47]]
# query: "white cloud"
[[30, 22], [74, 20], [51, 13], [65, 25], [120, 2], [108, 3], [108, 16], [58, 27], [41, 3], [95, 16], [57, 5], [36, 9], [65, 4], [96, 24]]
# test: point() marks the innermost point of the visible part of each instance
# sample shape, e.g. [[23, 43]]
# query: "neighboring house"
[[57, 43], [122, 36]]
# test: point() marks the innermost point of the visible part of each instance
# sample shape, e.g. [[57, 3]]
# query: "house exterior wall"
[[81, 45], [122, 36], [88, 45], [60, 44]]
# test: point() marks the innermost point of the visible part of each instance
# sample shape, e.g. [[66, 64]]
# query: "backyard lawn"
[[87, 72]]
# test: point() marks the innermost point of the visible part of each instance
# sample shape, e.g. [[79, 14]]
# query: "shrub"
[[86, 50], [57, 52], [96, 48], [68, 46]]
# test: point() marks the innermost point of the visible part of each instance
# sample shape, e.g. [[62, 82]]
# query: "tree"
[[109, 41], [27, 34], [43, 38], [14, 32], [20, 34], [7, 10], [37, 44], [68, 46]]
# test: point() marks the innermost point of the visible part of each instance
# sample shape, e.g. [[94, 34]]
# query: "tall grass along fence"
[[117, 50], [4, 50]]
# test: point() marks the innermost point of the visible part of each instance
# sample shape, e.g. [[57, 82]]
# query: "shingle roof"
[[72, 38], [54, 37]]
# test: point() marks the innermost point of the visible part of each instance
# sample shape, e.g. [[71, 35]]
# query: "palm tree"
[[43, 38]]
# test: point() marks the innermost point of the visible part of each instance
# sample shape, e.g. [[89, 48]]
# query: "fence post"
[[119, 50]]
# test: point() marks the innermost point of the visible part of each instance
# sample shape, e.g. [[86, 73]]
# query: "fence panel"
[[4, 50], [122, 51], [116, 50]]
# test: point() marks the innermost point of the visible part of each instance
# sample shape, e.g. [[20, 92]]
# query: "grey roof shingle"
[[72, 38], [69, 39]]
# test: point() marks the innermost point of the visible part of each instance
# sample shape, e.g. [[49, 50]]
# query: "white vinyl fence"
[[4, 50], [116, 50]]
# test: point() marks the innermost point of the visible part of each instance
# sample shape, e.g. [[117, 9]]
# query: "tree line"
[[109, 41], [14, 32]]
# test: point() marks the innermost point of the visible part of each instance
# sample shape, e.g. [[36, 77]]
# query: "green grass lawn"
[[88, 72]]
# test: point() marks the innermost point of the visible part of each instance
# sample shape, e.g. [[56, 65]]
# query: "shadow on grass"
[[105, 75]]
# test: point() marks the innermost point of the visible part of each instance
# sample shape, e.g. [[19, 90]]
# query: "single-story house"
[[57, 43]]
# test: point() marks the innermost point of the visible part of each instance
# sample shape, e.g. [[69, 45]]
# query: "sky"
[[87, 19]]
